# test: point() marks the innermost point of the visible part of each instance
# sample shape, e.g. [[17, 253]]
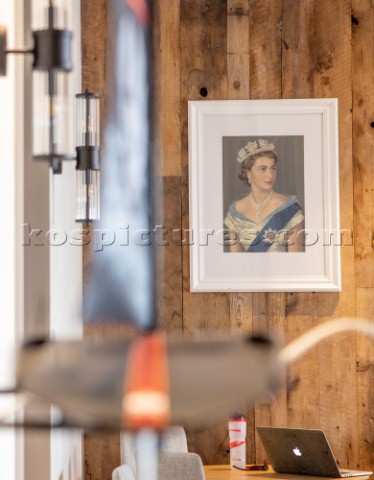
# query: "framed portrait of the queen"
[[264, 195]]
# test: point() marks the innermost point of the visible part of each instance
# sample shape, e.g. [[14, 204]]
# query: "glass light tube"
[[52, 63], [88, 157]]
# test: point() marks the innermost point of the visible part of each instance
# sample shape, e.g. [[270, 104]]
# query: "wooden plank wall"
[[256, 49]]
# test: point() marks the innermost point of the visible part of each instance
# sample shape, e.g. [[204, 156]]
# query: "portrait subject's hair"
[[247, 163]]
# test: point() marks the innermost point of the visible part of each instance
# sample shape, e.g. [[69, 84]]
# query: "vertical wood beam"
[[167, 123], [269, 319], [167, 78], [203, 75], [238, 89], [265, 69], [265, 42], [203, 66], [337, 356], [365, 380], [237, 49], [363, 146], [298, 61], [363, 152], [297, 49]]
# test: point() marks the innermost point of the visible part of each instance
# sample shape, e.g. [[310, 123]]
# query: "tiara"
[[254, 147]]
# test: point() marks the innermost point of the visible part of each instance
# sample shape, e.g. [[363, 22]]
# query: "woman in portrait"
[[264, 220]]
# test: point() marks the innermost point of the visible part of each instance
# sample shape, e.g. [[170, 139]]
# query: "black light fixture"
[[52, 61], [88, 157]]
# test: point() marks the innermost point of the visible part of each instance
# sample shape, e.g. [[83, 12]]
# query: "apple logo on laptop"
[[297, 452]]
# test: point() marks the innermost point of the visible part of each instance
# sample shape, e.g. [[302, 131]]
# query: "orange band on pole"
[[146, 401], [141, 10]]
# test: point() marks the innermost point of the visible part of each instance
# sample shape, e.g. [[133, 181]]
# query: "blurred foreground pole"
[[121, 286]]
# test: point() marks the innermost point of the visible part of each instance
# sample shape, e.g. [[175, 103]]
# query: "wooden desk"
[[224, 472]]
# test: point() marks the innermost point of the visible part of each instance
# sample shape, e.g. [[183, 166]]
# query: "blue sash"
[[277, 222]]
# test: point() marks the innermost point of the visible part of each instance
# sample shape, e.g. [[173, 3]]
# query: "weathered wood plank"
[[203, 75], [203, 56], [238, 89], [203, 66], [365, 379], [167, 86], [269, 320], [240, 313], [303, 396], [94, 35], [169, 244], [363, 149], [337, 380], [238, 49], [300, 308], [362, 86], [167, 127], [297, 49], [266, 82], [265, 48], [101, 455]]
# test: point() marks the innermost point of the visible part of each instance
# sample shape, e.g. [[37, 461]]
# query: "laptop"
[[302, 452]]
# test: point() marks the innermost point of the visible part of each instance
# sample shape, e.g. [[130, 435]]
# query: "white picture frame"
[[306, 133]]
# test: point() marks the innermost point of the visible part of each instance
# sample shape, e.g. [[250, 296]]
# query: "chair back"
[[173, 439]]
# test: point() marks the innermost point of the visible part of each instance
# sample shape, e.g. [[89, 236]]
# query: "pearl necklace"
[[259, 206]]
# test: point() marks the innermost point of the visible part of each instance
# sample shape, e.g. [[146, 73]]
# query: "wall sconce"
[[52, 61], [51, 64], [88, 157]]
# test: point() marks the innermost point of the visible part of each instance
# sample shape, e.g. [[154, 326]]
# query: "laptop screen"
[[299, 451]]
